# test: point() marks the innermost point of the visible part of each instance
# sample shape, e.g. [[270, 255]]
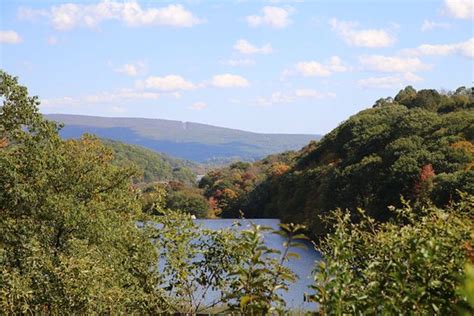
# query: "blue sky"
[[264, 66]]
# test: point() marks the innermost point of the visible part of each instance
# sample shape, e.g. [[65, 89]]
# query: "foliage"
[[229, 187], [232, 265], [156, 167], [175, 196], [412, 264], [260, 276], [69, 241], [467, 289], [187, 199], [418, 145], [75, 240]]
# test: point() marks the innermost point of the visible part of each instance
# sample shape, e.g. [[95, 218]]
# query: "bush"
[[413, 264]]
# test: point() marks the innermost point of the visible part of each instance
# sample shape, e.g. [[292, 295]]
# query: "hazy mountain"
[[193, 141]]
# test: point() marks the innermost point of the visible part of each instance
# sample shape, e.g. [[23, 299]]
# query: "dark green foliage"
[[368, 161], [156, 167], [411, 265]]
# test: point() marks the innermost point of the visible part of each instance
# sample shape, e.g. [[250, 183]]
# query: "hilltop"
[[192, 141]]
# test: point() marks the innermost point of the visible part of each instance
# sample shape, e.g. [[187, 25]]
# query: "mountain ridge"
[[189, 140]]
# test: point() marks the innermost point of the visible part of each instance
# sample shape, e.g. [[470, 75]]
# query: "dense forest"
[[417, 145], [78, 236], [156, 167]]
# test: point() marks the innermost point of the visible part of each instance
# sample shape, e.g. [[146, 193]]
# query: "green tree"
[[188, 200], [75, 239], [69, 241]]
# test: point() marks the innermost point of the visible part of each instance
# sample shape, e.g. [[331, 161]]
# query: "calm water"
[[302, 267]]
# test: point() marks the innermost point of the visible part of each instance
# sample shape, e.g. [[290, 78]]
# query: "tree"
[[69, 241], [75, 240], [189, 201], [368, 161]]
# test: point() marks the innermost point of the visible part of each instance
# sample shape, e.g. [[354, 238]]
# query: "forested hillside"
[[186, 140], [417, 145], [156, 167], [78, 238]]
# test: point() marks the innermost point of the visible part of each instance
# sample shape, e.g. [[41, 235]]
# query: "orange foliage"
[[464, 145], [3, 142], [468, 147], [279, 168], [229, 194]]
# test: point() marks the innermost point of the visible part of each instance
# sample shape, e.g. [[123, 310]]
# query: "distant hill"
[[155, 166], [192, 141]]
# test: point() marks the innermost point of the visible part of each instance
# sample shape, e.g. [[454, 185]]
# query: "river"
[[303, 266]]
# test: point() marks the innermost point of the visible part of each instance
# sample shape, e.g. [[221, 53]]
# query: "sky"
[[262, 66]]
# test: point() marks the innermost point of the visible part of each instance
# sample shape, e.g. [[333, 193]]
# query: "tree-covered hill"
[[70, 243], [418, 145], [156, 167], [187, 140]]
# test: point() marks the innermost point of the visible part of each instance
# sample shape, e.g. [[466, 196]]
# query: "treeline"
[[417, 145], [79, 237], [75, 238]]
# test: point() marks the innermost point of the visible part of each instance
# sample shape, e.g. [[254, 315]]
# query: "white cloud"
[[393, 63], [70, 15], [431, 25], [275, 17], [314, 94], [275, 98], [465, 49], [459, 9], [119, 96], [132, 69], [389, 82], [314, 68], [238, 62], [166, 83], [229, 81], [198, 106], [279, 97], [30, 14], [362, 38], [61, 101], [10, 37], [245, 47]]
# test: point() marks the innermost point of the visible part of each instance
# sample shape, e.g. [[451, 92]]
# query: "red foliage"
[[427, 172]]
